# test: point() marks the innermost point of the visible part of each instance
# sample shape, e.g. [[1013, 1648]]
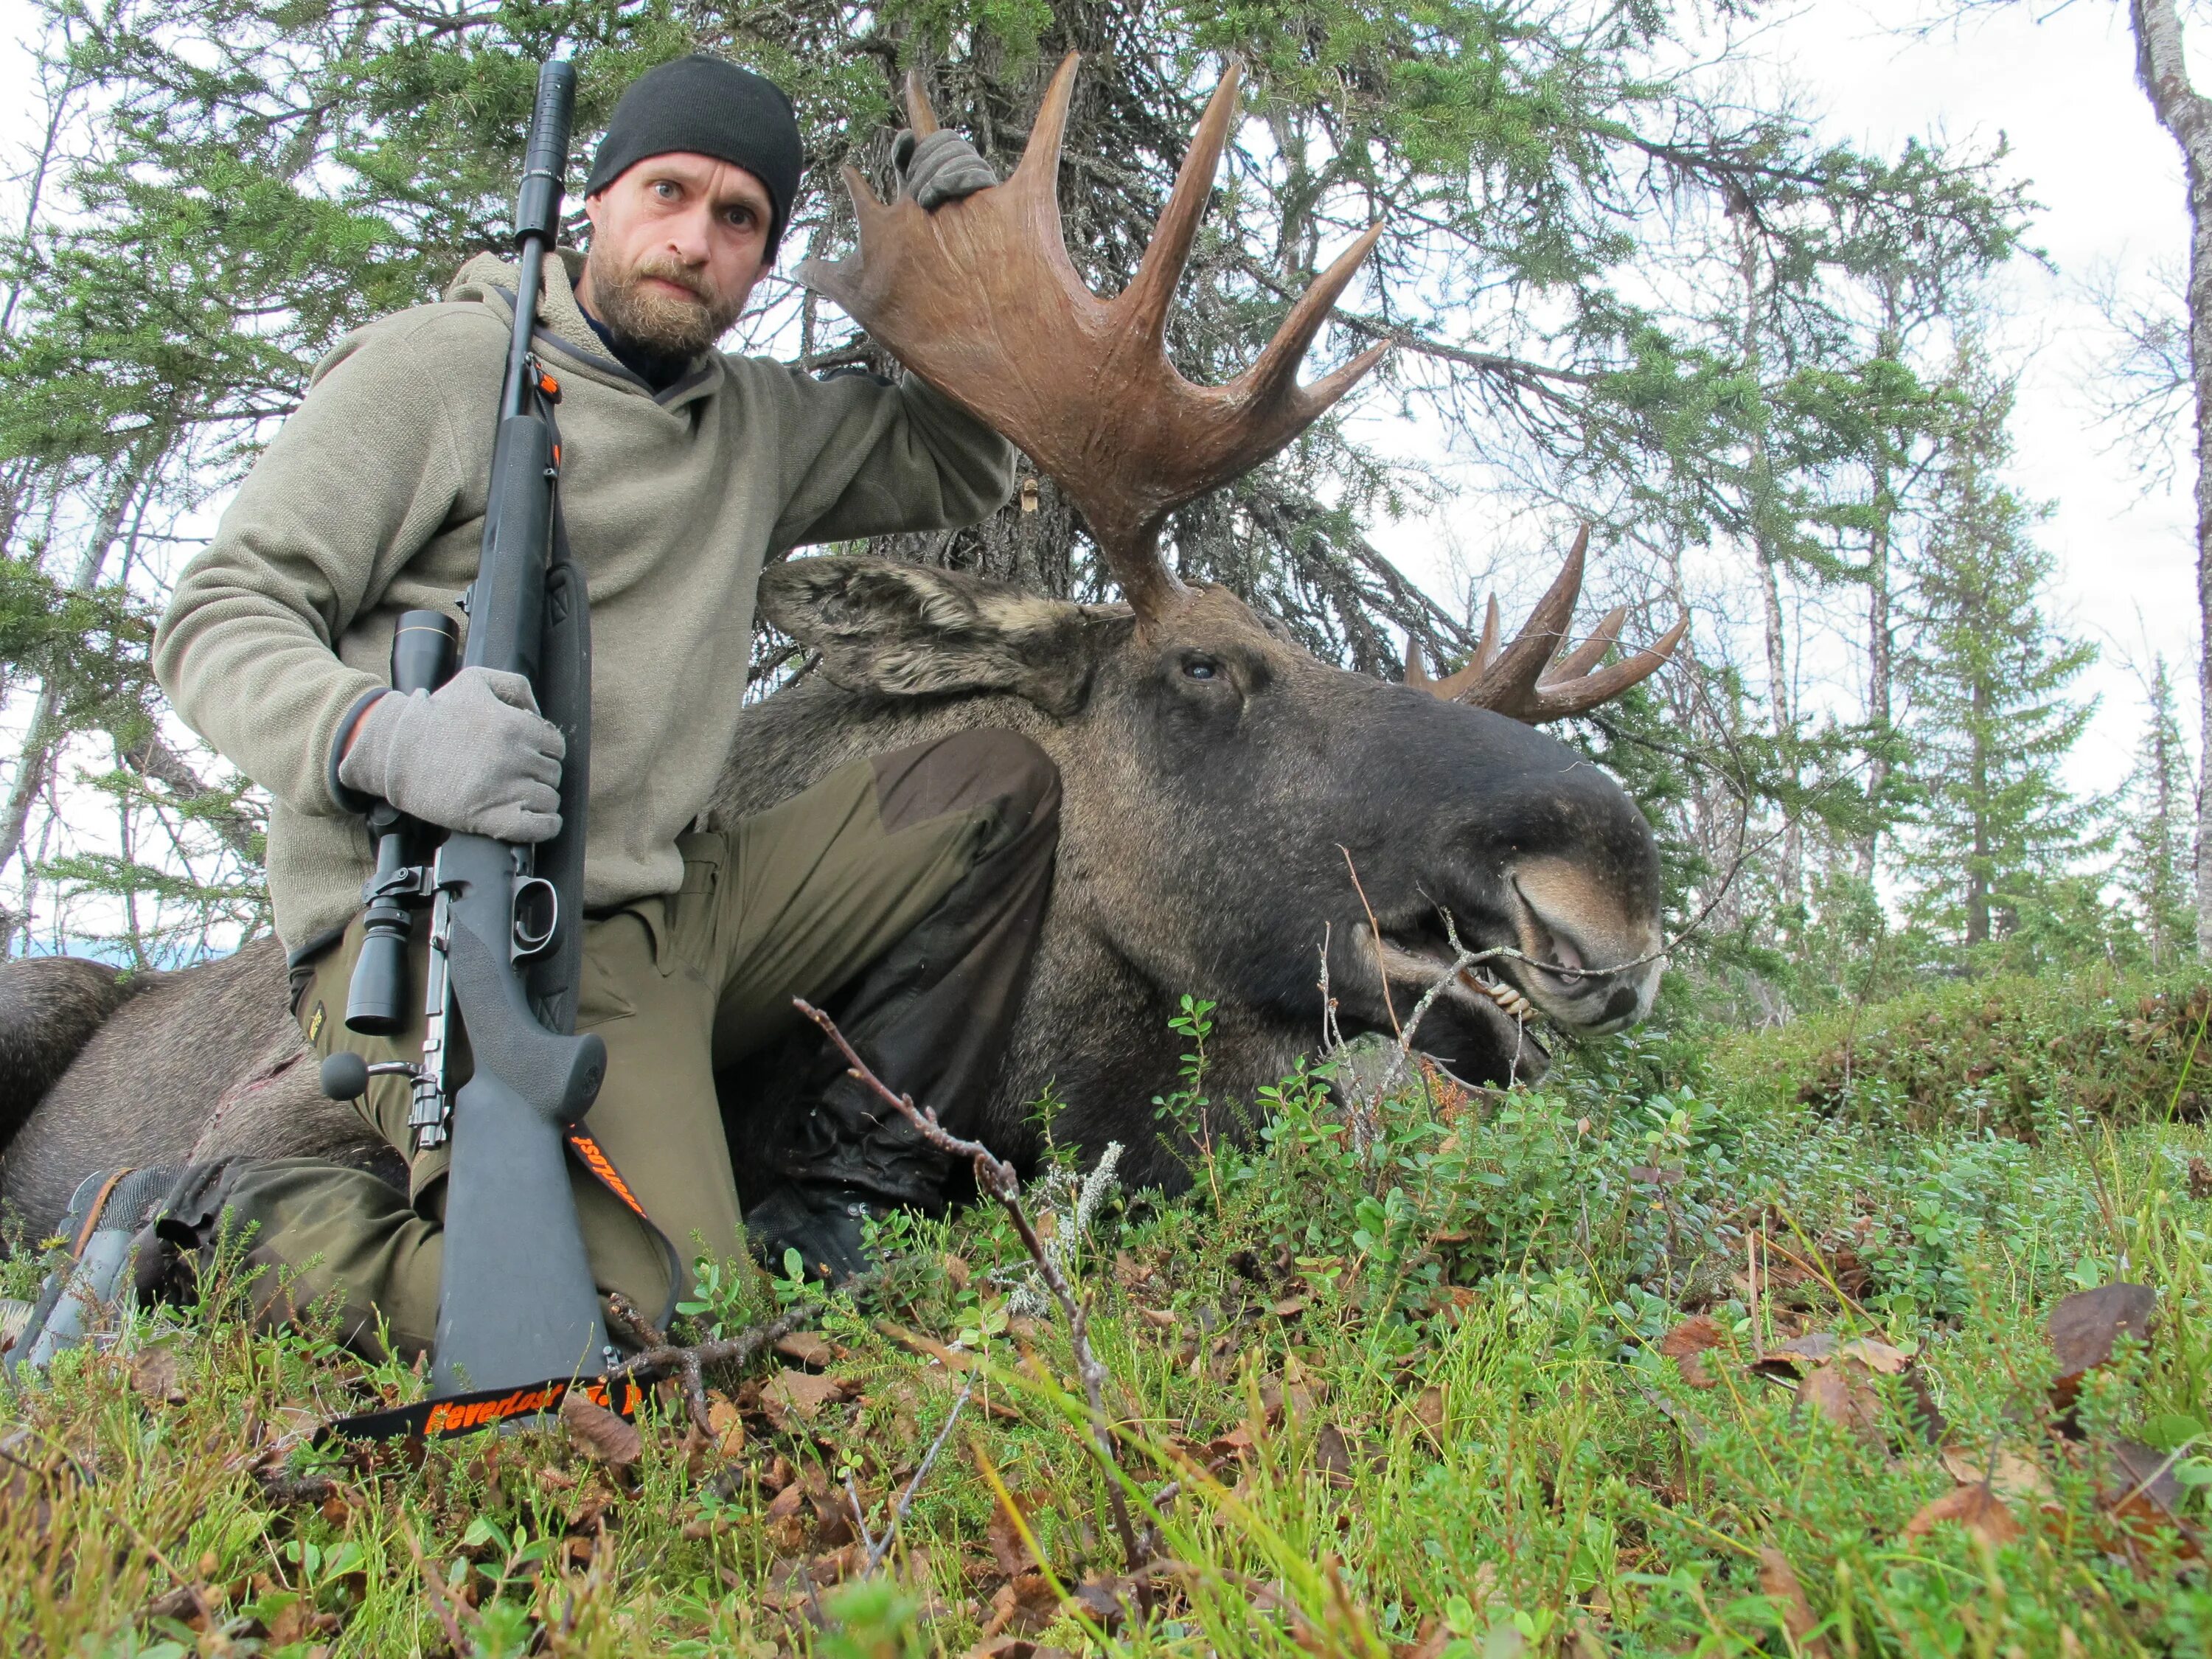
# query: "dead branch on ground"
[[996, 1177]]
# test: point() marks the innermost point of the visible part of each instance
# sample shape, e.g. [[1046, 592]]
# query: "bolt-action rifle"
[[516, 1303]]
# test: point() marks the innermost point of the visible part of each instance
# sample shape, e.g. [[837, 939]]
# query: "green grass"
[[1425, 1372]]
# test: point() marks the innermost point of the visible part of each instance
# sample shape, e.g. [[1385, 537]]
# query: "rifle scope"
[[377, 1004]]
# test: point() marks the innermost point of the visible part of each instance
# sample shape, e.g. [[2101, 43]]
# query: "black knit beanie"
[[707, 107]]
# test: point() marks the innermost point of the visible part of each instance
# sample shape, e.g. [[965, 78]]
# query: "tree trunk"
[[2187, 116], [1761, 506], [1977, 862], [1881, 670]]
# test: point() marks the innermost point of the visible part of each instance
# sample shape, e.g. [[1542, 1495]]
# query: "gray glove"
[[475, 756], [941, 169]]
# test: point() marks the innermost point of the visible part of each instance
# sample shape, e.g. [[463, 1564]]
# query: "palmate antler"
[[1530, 679], [980, 299]]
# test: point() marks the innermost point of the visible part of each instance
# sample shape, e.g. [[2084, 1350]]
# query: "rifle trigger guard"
[[536, 917]]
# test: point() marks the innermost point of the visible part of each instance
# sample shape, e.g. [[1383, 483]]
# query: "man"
[[907, 890]]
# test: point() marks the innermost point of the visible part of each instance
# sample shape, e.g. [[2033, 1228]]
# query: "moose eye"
[[1198, 668]]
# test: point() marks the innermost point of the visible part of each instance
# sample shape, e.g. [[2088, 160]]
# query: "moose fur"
[[1221, 785]]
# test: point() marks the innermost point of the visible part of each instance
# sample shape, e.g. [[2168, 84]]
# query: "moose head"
[[1233, 804]]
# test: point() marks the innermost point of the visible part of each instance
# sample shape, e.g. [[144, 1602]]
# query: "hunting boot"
[[104, 1215]]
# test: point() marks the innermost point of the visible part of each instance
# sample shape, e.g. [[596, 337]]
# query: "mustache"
[[668, 270]]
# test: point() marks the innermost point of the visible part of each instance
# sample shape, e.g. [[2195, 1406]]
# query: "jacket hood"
[[489, 279]]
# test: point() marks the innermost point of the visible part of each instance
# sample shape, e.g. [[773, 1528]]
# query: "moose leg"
[[913, 919]]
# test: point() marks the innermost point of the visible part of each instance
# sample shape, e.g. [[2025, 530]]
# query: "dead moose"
[[1220, 782]]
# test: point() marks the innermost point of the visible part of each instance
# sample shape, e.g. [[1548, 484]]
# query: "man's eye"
[[741, 217], [666, 190]]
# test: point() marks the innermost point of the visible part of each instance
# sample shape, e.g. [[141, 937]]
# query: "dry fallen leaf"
[[1798, 1355], [728, 1427], [794, 1399], [805, 1347], [2085, 1326], [1429, 1408], [2008, 1474], [953, 1359], [603, 1435], [786, 1518], [153, 1375], [1875, 1356], [1778, 1579], [1839, 1391], [1975, 1508], [1010, 1551], [2140, 1487], [298, 1621], [1024, 1604], [1688, 1340], [1333, 1456]]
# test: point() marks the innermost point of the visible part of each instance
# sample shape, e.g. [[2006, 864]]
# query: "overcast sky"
[[2062, 91]]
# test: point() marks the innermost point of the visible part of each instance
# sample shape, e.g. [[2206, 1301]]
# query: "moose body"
[[1221, 786]]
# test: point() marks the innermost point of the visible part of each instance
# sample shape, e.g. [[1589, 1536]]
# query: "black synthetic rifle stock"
[[517, 1301]]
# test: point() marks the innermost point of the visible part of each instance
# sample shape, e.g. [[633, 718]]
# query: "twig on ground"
[[1463, 959], [879, 1547], [660, 1358], [1375, 937], [996, 1177]]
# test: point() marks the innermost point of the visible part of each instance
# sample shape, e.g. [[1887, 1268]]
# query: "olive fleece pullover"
[[370, 502]]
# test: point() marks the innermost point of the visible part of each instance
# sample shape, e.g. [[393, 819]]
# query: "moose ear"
[[902, 630]]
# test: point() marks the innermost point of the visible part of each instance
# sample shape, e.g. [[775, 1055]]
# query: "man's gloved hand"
[[474, 755], [941, 169], [822, 1222]]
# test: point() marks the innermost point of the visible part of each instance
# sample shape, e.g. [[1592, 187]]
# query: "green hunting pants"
[[904, 893]]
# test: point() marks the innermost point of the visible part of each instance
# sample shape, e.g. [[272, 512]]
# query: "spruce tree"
[[2157, 860], [1990, 723]]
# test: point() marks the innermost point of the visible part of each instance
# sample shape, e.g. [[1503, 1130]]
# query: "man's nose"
[[688, 236]]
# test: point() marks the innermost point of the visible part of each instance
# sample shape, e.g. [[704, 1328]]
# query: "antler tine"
[[1455, 686], [1587, 655], [1485, 648], [1512, 678], [1276, 373], [919, 115], [1416, 673], [1579, 697], [1148, 297], [1039, 170]]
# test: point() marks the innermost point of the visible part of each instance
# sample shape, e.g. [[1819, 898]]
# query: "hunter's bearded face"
[[678, 242]]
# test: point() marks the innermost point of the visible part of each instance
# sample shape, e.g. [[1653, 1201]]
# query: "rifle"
[[517, 1305]]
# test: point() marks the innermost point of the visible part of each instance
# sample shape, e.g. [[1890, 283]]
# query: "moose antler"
[[1524, 680], [980, 299]]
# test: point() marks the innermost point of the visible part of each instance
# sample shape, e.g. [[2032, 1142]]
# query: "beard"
[[652, 319]]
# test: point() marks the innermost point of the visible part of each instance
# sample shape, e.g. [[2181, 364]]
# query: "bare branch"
[[995, 1176]]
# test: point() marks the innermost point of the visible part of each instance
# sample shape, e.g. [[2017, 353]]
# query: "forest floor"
[[1702, 1347]]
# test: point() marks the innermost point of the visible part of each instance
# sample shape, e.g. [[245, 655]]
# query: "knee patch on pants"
[[986, 766]]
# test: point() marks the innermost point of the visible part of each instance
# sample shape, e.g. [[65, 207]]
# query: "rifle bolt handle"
[[345, 1075]]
